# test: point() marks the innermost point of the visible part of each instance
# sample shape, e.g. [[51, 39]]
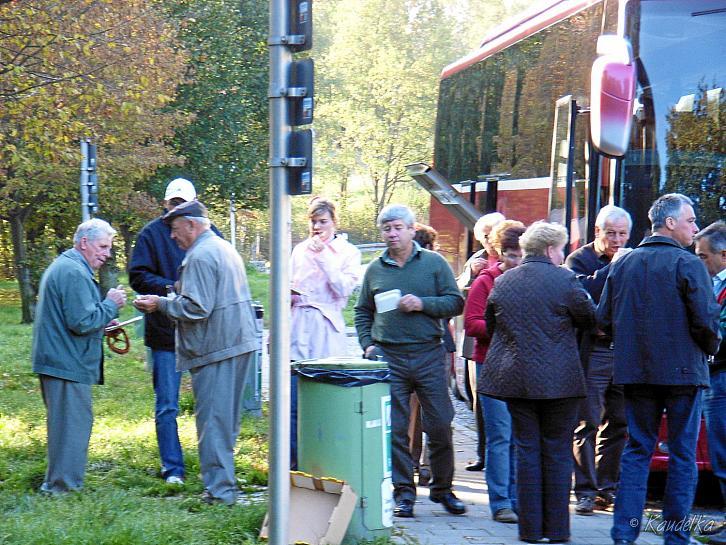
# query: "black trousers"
[[542, 432], [420, 370]]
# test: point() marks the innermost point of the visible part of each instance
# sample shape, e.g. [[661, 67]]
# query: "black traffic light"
[[301, 24], [300, 162], [301, 92]]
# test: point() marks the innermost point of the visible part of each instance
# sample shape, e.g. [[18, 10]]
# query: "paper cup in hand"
[[387, 301]]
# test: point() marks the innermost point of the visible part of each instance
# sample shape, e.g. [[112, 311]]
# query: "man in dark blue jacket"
[[659, 308], [154, 270]]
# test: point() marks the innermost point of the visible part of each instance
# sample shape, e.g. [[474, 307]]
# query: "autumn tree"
[[72, 69], [225, 147]]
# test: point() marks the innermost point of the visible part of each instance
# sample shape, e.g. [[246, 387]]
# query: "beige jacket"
[[213, 309]]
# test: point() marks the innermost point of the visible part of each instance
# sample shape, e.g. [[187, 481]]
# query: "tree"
[[377, 90], [226, 145], [71, 69]]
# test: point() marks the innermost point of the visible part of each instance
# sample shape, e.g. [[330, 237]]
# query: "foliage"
[[80, 68], [226, 145], [377, 89]]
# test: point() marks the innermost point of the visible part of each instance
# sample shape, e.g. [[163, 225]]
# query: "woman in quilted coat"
[[533, 364]]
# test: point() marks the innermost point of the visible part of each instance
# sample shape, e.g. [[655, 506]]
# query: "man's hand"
[[147, 303], [117, 295], [477, 265], [369, 351], [410, 303]]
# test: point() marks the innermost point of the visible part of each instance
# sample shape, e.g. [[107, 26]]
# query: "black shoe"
[[476, 466], [450, 502], [623, 542], [605, 501], [403, 509]]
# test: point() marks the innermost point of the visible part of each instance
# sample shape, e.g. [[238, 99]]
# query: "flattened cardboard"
[[320, 510]]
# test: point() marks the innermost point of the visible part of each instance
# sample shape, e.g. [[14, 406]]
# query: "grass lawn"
[[124, 501]]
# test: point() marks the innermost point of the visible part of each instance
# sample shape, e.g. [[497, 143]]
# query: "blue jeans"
[[714, 409], [500, 455], [644, 405], [166, 394]]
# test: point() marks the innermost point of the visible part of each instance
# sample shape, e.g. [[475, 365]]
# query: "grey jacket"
[[69, 322], [532, 313], [213, 310]]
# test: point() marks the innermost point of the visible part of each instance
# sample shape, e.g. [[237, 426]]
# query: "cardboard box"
[[320, 510]]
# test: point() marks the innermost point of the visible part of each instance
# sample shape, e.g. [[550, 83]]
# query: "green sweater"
[[426, 275]]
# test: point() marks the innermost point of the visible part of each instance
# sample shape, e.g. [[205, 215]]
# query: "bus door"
[[569, 173]]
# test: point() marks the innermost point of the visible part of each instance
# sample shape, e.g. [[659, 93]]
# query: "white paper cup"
[[387, 301]]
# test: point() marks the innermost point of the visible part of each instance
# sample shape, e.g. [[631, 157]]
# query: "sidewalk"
[[432, 525]]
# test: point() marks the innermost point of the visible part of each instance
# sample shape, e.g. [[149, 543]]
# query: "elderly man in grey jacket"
[[68, 352], [215, 340]]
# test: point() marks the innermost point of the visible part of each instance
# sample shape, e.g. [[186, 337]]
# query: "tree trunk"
[[22, 270]]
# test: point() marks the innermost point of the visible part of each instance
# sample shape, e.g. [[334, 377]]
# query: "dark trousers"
[[602, 431], [420, 370], [542, 432], [644, 406]]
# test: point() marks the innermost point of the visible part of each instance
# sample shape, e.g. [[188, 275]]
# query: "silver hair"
[[540, 235], [93, 229], [200, 220], [487, 220], [667, 206], [612, 213], [394, 212], [715, 234]]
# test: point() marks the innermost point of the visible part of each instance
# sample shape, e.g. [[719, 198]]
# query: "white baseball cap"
[[180, 188]]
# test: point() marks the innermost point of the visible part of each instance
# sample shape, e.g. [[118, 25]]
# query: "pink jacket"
[[325, 279]]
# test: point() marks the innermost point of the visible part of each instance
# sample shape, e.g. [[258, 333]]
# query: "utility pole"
[[89, 180], [291, 104]]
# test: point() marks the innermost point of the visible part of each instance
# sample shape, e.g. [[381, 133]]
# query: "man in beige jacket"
[[215, 340]]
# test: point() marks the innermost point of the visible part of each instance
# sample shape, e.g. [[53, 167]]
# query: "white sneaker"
[[175, 480]]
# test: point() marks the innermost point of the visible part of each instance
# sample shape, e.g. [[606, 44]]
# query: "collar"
[[75, 255], [720, 278], [386, 258], [200, 238], [660, 239], [537, 259]]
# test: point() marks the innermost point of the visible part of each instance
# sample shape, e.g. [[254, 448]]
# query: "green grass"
[[124, 500]]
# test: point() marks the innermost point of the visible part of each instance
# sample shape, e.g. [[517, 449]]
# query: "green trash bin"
[[252, 387], [344, 432]]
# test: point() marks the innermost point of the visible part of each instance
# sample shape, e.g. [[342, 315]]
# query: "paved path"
[[432, 525]]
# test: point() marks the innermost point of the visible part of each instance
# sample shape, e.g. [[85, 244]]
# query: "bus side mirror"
[[612, 93]]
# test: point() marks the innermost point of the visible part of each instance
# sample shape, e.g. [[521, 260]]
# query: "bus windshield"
[[678, 142]]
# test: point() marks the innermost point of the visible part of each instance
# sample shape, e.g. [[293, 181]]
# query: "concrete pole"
[[279, 461]]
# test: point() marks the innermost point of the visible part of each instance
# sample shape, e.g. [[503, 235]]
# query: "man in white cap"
[[153, 270]]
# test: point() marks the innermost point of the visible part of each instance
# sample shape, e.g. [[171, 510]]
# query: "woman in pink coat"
[[325, 269]]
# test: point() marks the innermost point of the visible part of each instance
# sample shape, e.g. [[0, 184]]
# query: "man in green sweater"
[[419, 288]]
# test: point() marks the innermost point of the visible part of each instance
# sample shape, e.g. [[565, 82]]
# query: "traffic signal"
[[300, 100], [92, 180]]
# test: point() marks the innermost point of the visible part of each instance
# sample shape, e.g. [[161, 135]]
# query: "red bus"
[[581, 103]]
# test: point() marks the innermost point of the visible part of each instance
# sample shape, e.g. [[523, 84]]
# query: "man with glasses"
[[602, 431]]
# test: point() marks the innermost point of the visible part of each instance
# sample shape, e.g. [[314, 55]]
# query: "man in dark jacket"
[[659, 308], [405, 295], [711, 249], [602, 427], [154, 270]]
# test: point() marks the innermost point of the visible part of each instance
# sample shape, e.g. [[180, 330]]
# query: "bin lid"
[[344, 362]]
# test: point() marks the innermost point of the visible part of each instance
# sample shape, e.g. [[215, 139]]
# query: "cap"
[[180, 188], [192, 208]]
